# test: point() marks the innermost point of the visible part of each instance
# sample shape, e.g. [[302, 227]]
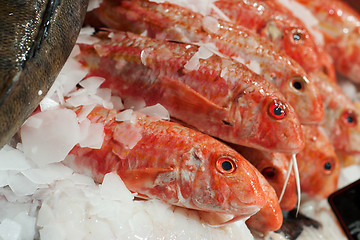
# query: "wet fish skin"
[[342, 118], [172, 22], [319, 166], [277, 24], [340, 26], [172, 163], [233, 105], [273, 166], [36, 39]]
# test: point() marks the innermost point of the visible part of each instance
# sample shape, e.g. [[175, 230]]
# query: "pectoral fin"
[[185, 99], [138, 178]]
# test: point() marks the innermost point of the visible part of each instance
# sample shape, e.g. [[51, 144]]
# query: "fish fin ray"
[[135, 178], [187, 99]]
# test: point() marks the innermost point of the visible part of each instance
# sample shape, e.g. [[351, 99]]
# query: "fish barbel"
[[340, 26], [220, 97], [172, 163], [273, 166], [276, 23], [319, 166], [172, 22], [29, 31]]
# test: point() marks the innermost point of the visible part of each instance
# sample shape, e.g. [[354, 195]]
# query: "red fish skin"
[[277, 164], [277, 24], [163, 21], [220, 105], [172, 163], [340, 26], [343, 135], [319, 166], [270, 217]]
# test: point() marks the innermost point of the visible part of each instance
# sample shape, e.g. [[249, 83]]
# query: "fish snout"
[[247, 195], [282, 131], [270, 217], [276, 178]]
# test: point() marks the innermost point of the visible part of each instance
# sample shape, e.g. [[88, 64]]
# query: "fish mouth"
[[246, 211]]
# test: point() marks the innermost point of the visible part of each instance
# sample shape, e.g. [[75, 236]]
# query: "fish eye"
[[268, 173], [349, 118], [297, 36], [225, 165], [328, 165], [276, 110], [298, 83]]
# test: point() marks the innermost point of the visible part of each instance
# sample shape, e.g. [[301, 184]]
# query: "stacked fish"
[[248, 73]]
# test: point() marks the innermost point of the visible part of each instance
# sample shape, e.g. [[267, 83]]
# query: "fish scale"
[[157, 172], [235, 110], [172, 22]]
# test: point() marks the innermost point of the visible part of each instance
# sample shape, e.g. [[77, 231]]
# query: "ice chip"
[[48, 174], [134, 103], [99, 230], [114, 188], [92, 84], [10, 230], [27, 225], [21, 185], [45, 215], [13, 159], [59, 133], [94, 137], [126, 115], [52, 232], [156, 110]]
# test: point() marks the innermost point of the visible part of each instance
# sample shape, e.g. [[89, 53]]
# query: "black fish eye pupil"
[[278, 111], [297, 85], [327, 166], [296, 37], [226, 165], [349, 119]]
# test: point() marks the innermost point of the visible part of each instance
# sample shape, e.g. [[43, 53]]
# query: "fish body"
[[340, 26], [220, 97], [319, 166], [29, 31], [172, 163], [273, 166], [275, 23], [172, 22]]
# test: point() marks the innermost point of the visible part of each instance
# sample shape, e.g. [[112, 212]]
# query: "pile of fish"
[[247, 85]]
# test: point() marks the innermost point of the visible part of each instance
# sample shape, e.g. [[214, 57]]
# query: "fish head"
[[227, 183], [269, 121], [347, 129], [319, 166], [301, 47], [273, 166], [342, 117], [303, 96], [270, 217]]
